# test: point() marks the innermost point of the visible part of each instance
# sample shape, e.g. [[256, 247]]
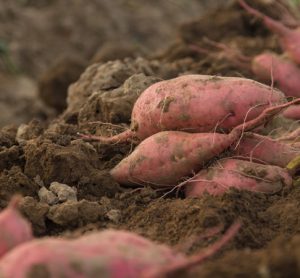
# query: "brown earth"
[[40, 152], [48, 43]]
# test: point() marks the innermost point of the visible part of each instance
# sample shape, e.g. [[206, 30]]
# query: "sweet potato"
[[289, 38], [265, 150], [233, 173], [111, 254], [267, 66], [14, 229], [196, 103], [284, 72], [167, 157], [292, 112]]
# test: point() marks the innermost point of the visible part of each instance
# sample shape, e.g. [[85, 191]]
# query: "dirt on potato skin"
[[38, 153]]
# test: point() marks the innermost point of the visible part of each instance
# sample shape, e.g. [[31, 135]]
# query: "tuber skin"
[[267, 67], [289, 38], [110, 253], [239, 174], [262, 149], [14, 228], [292, 112], [285, 73], [169, 157], [196, 103]]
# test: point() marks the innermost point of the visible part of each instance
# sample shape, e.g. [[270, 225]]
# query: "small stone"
[[64, 192], [114, 215], [47, 196], [21, 133]]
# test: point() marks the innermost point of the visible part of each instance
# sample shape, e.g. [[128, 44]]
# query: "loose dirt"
[[39, 152]]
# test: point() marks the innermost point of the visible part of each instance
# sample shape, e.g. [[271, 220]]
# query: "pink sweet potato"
[[289, 38], [14, 229], [267, 67], [168, 157], [239, 174], [111, 254], [284, 72], [292, 112], [265, 150], [196, 103]]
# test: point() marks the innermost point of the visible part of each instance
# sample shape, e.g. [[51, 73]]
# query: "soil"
[[34, 153]]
